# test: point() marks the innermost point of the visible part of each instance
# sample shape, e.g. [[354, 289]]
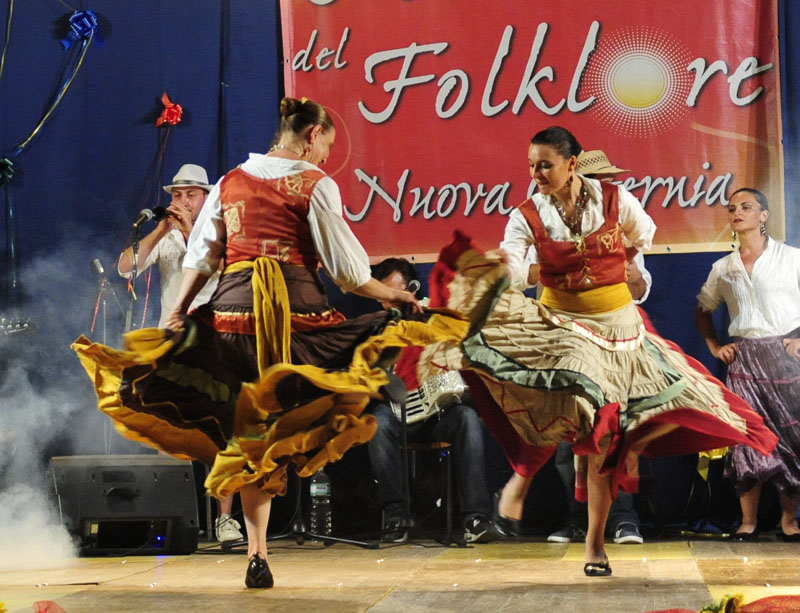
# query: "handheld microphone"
[[98, 267], [145, 215], [413, 286], [158, 213]]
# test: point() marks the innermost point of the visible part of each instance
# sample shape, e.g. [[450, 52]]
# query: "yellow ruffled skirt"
[[172, 391]]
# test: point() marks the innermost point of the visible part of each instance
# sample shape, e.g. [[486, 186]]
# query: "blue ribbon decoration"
[[84, 28], [81, 26]]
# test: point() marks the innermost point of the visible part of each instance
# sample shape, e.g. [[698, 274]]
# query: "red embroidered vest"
[[269, 217], [586, 262]]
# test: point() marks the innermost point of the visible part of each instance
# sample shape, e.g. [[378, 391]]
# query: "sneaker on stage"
[[627, 533], [227, 529], [394, 530], [567, 534], [478, 529]]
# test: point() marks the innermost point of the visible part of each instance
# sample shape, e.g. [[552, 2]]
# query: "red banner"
[[435, 103]]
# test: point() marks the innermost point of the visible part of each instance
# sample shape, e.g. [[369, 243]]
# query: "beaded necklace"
[[574, 221]]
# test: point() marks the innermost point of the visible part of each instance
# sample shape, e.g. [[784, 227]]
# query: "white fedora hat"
[[190, 175]]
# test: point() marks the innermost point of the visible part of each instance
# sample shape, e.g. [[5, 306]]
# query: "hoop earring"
[[733, 235], [306, 153], [763, 229]]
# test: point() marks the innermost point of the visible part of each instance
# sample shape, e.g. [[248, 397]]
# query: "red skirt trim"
[[245, 323]]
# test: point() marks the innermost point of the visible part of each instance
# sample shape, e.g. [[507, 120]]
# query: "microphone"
[[158, 213], [413, 286], [145, 215], [105, 285]]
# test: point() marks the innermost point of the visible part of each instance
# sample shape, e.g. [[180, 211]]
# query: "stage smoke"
[[47, 405], [32, 536]]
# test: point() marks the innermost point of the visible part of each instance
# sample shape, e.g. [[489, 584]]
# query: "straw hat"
[[596, 162], [190, 175]]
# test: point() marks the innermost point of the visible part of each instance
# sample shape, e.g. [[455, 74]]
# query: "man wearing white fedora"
[[166, 246]]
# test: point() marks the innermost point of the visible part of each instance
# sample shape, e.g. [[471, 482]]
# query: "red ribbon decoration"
[[172, 112]]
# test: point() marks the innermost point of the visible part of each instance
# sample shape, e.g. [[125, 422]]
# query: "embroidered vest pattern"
[[585, 262], [269, 217]]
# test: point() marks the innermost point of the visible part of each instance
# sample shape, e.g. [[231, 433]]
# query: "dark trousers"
[[458, 425]]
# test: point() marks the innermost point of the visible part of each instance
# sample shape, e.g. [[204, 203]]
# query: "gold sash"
[[591, 301], [271, 309]]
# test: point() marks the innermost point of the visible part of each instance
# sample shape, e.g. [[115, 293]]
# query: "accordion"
[[433, 396]]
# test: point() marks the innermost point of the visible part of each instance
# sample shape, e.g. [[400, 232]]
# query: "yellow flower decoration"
[[729, 604]]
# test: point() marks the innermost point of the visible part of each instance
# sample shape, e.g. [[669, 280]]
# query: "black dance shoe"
[[789, 538], [597, 569], [505, 526], [744, 537], [258, 574]]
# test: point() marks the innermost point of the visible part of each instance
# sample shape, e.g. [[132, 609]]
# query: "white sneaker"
[[227, 529]]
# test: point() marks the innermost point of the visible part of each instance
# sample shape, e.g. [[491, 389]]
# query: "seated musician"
[[457, 424]]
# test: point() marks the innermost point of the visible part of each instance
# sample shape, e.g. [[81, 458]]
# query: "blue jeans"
[[622, 510], [458, 425]]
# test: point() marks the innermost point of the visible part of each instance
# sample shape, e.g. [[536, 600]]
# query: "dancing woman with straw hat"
[[581, 364]]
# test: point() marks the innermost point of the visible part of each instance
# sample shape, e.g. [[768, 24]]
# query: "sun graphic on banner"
[[639, 79]]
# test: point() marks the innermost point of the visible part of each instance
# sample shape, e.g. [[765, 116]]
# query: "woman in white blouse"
[[282, 207], [273, 221], [760, 284], [578, 364]]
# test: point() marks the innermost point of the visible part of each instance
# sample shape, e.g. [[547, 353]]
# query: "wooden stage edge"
[[511, 575]]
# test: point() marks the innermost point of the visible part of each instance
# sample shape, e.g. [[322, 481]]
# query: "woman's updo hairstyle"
[[759, 196], [297, 116], [560, 139]]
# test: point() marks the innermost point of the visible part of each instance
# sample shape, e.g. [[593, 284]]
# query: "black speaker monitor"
[[127, 504]]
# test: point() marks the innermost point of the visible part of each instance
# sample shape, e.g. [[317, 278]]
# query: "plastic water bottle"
[[320, 520]]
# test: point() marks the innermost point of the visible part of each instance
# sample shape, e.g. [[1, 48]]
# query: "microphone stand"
[[296, 526], [107, 288], [102, 300], [300, 533], [134, 272], [404, 466], [146, 215]]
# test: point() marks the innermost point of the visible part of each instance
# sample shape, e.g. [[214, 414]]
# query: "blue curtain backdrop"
[[790, 92], [93, 166], [78, 185], [82, 180]]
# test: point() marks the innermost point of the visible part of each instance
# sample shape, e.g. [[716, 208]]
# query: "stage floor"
[[513, 576]]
